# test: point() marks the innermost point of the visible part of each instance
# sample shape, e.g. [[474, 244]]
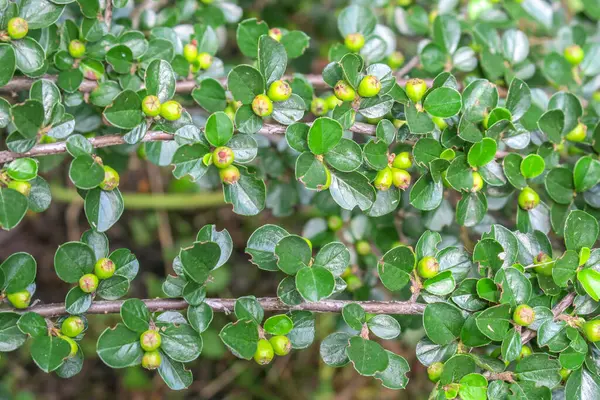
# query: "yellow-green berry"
[[20, 299], [88, 283], [72, 326], [401, 178], [229, 175], [363, 248], [17, 28], [204, 61], [428, 267], [276, 34], [104, 268], [528, 199], [395, 60], [344, 91], [318, 107], [574, 55], [151, 360], [222, 157], [383, 179], [262, 105], [354, 41], [578, 133], [151, 106], [369, 86], [415, 89], [543, 264], [264, 352], [111, 179], [150, 340], [76, 49], [279, 91], [591, 329], [434, 371], [281, 345], [402, 160], [477, 182], [190, 52], [171, 110], [524, 315], [22, 187]]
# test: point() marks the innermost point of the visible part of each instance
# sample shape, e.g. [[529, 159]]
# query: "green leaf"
[[119, 347], [113, 288], [248, 308], [86, 172], [160, 80], [333, 256], [323, 135], [210, 95], [352, 189], [303, 333], [367, 356], [395, 267], [494, 322], [582, 384], [511, 346], [125, 111], [590, 281], [384, 326], [346, 156], [581, 230], [518, 99], [248, 33], [479, 98], [539, 369], [33, 324], [28, 118], [289, 111], [565, 268], [7, 69], [394, 376], [552, 124], [426, 193], [49, 352], [180, 342], [333, 349], [482, 152], [272, 59], [241, 338], [261, 246], [533, 165], [22, 169], [245, 83], [295, 43], [198, 260], [441, 284], [356, 19], [189, 160], [120, 58], [559, 185], [586, 173], [247, 195], [103, 209], [174, 374], [19, 271], [278, 325], [77, 301], [516, 288], [473, 387], [200, 317], [443, 102], [72, 260], [135, 315], [11, 337], [29, 55], [315, 283], [13, 206], [442, 322], [219, 129], [419, 122], [354, 315], [293, 254]]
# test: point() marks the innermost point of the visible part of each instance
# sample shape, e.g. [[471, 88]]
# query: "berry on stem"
[[171, 110], [276, 34], [20, 299], [363, 248], [369, 86], [578, 134], [72, 326], [523, 315], [415, 89], [190, 52], [332, 102], [434, 371], [222, 157], [150, 340], [591, 329], [344, 91], [402, 160], [383, 179], [76, 48], [528, 199], [477, 182], [151, 106], [353, 283], [543, 264], [229, 175], [111, 179], [17, 28], [22, 187], [279, 91], [526, 351], [395, 60], [88, 283], [318, 107], [204, 61], [428, 267], [335, 223], [264, 352], [104, 268], [574, 55], [262, 106], [151, 360], [401, 178], [354, 41], [281, 345]]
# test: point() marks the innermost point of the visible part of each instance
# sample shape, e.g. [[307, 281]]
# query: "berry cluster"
[[103, 269]]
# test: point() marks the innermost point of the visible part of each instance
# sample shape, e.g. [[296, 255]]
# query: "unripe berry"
[[332, 102], [47, 139], [17, 28], [544, 264], [264, 352], [279, 91], [76, 49], [596, 96], [383, 179], [104, 268], [318, 107], [591, 329], [222, 157], [363, 248], [275, 33], [150, 340], [401, 178], [88, 283], [281, 345], [262, 106], [229, 175], [230, 113], [404, 3], [526, 351], [344, 91], [20, 299], [22, 187], [353, 283], [111, 179], [402, 160], [395, 60], [72, 326], [207, 159], [523, 315], [204, 61], [477, 182], [415, 89], [151, 106], [354, 41], [207, 1], [327, 180], [171, 110], [578, 133], [190, 52], [151, 360], [428, 267], [528, 199], [335, 223], [440, 122], [369, 86], [72, 343], [564, 373], [434, 371], [574, 55]]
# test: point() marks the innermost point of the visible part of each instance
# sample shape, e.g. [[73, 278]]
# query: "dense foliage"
[[461, 184]]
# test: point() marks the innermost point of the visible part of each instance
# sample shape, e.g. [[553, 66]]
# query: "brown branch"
[[557, 310], [413, 63], [108, 13], [151, 136], [226, 305]]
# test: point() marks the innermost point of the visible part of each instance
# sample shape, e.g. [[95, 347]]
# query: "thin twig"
[[413, 63], [557, 310], [108, 13]]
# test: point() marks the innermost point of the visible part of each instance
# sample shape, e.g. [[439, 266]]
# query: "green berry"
[[72, 326], [335, 223], [369, 86], [204, 61], [318, 107], [354, 41], [327, 180], [150, 340], [477, 182], [262, 106], [17, 28], [401, 178], [111, 179], [264, 352], [281, 345], [578, 134], [591, 329], [415, 89], [543, 264], [332, 102], [88, 283], [402, 160], [72, 343], [47, 139], [384, 179], [596, 96], [151, 360], [574, 55], [222, 157], [207, 1], [523, 315], [404, 3], [344, 91], [207, 159], [190, 52], [395, 60], [526, 351], [434, 371], [279, 91], [276, 34], [22, 187], [76, 49], [428, 267], [528, 199], [20, 299], [363, 248], [151, 106], [353, 283], [104, 268], [171, 110], [229, 175], [440, 122], [564, 373]]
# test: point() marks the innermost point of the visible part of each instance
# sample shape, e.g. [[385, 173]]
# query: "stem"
[[226, 306], [557, 310], [108, 13]]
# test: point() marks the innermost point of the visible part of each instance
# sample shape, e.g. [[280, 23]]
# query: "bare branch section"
[[226, 306], [557, 310], [152, 136]]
